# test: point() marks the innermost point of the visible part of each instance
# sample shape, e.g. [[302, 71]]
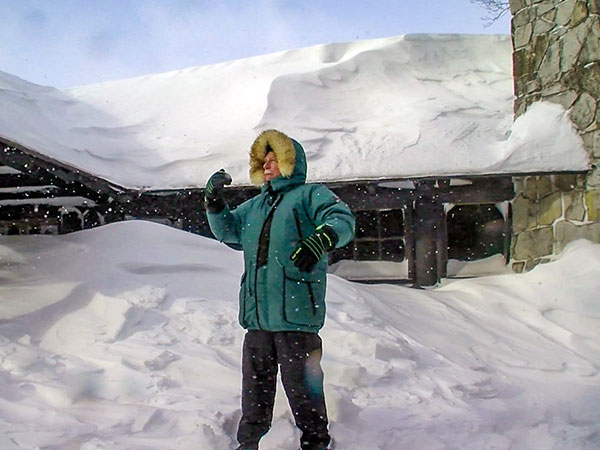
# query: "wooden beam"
[[365, 197], [23, 193], [28, 211], [368, 195], [50, 171], [492, 190], [19, 179]]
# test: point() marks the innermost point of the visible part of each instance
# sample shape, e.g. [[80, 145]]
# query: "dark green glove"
[[213, 192], [311, 249], [216, 183]]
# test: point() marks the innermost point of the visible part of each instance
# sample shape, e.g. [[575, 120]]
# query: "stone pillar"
[[556, 58]]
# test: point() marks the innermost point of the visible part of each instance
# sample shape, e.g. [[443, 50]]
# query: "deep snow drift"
[[399, 107], [125, 337]]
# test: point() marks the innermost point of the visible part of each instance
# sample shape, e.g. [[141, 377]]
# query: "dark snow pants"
[[299, 355]]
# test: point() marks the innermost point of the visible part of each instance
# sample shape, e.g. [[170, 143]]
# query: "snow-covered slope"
[[404, 106], [125, 337]]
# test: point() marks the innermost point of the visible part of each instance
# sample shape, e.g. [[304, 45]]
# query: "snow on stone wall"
[[557, 59]]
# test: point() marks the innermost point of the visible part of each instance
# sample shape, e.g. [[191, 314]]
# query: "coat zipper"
[[269, 214], [298, 224]]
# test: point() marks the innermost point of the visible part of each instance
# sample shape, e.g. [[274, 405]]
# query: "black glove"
[[213, 192], [216, 183], [311, 249]]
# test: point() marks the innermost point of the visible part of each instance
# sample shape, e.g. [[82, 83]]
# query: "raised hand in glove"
[[216, 183], [310, 250], [213, 192]]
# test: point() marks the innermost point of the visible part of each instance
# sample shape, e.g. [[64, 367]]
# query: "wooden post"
[[428, 225], [442, 230], [442, 245], [409, 241]]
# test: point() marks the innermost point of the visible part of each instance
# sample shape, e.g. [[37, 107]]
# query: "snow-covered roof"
[[400, 107]]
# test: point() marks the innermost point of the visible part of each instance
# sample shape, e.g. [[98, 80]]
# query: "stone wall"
[[556, 58]]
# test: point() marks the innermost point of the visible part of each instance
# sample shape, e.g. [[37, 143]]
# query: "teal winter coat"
[[277, 296]]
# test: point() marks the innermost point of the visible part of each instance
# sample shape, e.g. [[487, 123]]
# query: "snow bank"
[[404, 106], [126, 337]]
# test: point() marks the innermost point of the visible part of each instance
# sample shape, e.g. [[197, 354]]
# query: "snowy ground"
[[125, 337]]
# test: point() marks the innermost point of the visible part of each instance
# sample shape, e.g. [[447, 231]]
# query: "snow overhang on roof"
[[403, 107]]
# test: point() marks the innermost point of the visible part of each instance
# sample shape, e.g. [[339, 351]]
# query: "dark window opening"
[[392, 250], [475, 232], [367, 224], [70, 222], [367, 250], [13, 230], [379, 237]]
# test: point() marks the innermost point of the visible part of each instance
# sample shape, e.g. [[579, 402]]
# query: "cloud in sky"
[[70, 42]]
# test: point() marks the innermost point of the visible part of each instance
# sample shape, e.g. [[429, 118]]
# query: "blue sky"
[[65, 43]]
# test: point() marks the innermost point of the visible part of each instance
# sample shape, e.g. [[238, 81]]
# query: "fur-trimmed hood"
[[291, 159]]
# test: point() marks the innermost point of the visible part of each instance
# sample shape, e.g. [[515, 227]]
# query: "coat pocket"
[[304, 297]]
